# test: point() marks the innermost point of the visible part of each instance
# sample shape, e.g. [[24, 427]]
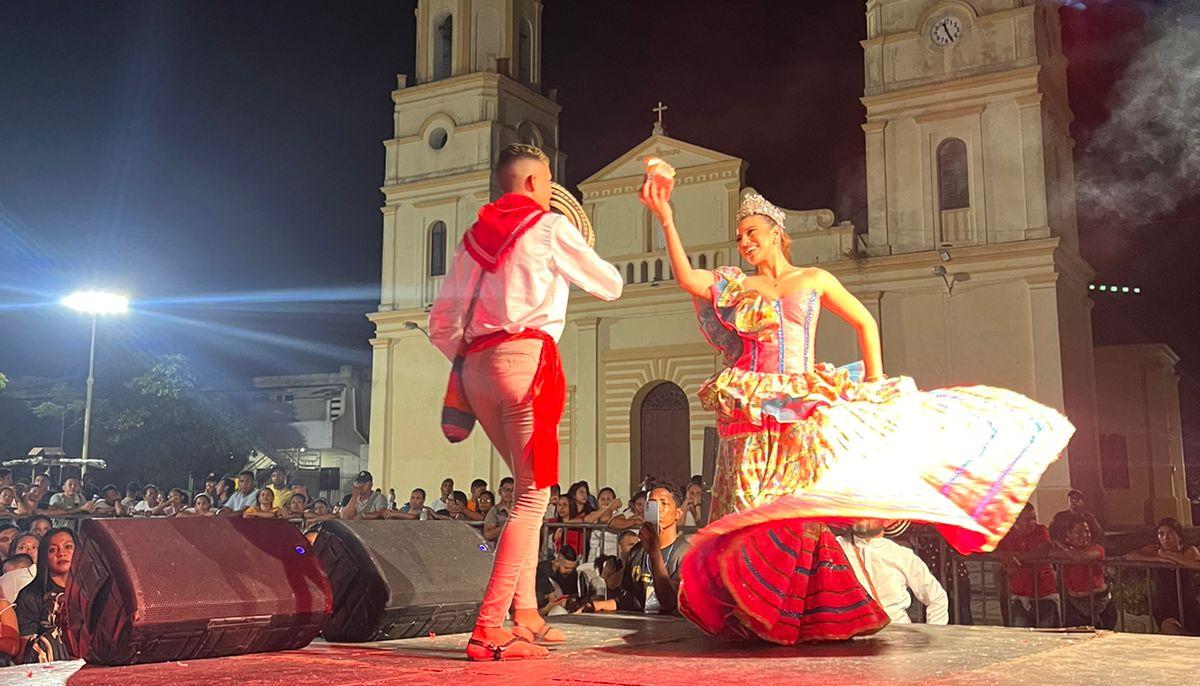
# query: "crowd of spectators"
[[600, 554], [1057, 577]]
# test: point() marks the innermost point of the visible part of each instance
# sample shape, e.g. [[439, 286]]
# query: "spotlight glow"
[[97, 302]]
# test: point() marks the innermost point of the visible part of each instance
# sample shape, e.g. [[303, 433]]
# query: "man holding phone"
[[651, 579]]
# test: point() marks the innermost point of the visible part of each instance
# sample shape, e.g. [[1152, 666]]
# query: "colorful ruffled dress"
[[804, 445]]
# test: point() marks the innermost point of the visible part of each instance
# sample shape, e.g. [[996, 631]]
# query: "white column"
[[587, 451], [379, 462], [877, 210], [1048, 382]]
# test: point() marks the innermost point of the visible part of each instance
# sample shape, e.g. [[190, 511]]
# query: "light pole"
[[95, 303]]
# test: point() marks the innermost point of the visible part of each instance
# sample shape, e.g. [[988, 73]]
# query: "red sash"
[[548, 395]]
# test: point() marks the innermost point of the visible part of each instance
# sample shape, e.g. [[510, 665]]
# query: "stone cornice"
[[628, 185], [488, 81], [397, 192], [953, 93], [1159, 353]]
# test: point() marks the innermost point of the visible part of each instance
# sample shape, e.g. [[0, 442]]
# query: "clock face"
[[946, 31]]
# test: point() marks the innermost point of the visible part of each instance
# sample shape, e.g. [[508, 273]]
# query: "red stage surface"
[[635, 650]]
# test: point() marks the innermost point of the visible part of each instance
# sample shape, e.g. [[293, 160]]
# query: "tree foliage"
[[162, 426]]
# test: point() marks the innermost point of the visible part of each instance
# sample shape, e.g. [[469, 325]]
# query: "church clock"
[[946, 31]]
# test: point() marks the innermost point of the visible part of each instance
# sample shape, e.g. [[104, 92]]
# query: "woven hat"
[[562, 202]]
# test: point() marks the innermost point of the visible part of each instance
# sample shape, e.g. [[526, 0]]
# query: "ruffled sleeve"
[[717, 316]]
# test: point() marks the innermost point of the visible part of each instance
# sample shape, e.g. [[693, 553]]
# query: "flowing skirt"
[[823, 447], [784, 582]]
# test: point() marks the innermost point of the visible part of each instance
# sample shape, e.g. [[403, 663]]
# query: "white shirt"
[[891, 570], [528, 291], [238, 502]]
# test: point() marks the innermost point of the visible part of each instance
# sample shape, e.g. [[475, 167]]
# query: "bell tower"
[[477, 88], [967, 131]]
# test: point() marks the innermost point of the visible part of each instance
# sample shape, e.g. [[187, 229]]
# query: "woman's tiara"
[[756, 204]]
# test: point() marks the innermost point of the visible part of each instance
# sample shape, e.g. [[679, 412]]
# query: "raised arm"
[[579, 263], [836, 299], [697, 282]]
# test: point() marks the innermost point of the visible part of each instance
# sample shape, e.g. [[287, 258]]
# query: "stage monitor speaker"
[[152, 590], [399, 579]]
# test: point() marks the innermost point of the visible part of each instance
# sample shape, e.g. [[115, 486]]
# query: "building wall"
[[1010, 309], [1138, 399]]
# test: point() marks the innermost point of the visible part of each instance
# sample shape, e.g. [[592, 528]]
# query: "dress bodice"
[[773, 336]]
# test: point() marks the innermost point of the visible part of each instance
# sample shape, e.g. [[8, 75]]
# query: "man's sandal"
[[541, 636], [497, 653]]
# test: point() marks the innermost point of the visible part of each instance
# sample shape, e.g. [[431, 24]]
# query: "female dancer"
[[804, 445]]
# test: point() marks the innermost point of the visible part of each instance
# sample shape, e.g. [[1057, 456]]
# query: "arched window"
[[629, 273], [437, 249], [954, 191], [528, 133], [443, 44], [703, 261]]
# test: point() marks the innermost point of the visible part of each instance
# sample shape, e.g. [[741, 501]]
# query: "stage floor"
[[618, 650]]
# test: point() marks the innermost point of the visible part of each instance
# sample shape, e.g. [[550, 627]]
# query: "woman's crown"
[[754, 203]]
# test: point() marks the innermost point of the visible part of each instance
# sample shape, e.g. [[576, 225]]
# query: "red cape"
[[499, 226]]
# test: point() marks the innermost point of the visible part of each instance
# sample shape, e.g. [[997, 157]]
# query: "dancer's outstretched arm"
[[694, 281], [841, 302]]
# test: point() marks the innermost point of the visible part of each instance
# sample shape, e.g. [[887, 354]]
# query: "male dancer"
[[515, 264]]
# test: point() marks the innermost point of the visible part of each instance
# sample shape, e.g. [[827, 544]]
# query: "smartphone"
[[652, 514]]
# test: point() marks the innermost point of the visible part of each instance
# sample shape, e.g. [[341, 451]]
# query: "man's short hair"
[[669, 487], [568, 554], [637, 495], [246, 472], [281, 470], [507, 480], [419, 490], [478, 483], [460, 497], [448, 480], [627, 532], [1076, 493], [519, 151]]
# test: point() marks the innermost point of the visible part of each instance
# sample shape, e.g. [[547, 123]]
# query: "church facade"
[[970, 260]]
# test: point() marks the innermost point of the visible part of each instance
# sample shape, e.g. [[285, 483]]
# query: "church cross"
[[658, 125]]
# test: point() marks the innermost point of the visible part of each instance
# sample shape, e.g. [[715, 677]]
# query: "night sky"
[[220, 161]]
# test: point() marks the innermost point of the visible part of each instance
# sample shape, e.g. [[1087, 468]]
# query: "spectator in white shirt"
[[133, 495], [364, 502], [631, 518], [150, 500], [440, 502], [245, 496], [70, 501], [888, 570], [603, 541], [202, 506]]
